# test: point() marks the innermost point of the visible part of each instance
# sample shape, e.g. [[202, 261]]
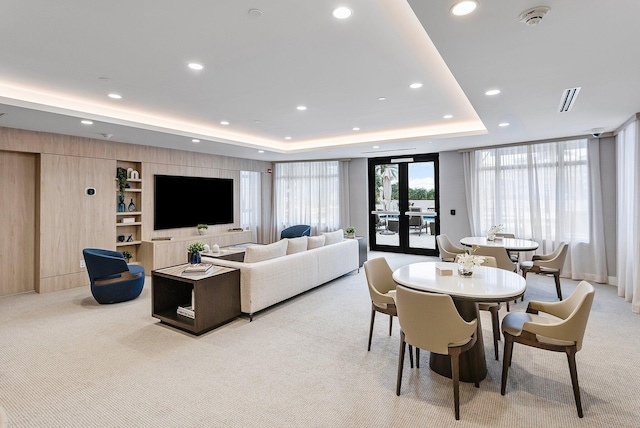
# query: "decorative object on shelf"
[[127, 255], [135, 175], [132, 206], [121, 206], [351, 232], [491, 234], [129, 171], [215, 248], [207, 248], [202, 228], [128, 220], [120, 238], [466, 263], [194, 250], [130, 238]]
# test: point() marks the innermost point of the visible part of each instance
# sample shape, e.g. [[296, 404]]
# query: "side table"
[[215, 296]]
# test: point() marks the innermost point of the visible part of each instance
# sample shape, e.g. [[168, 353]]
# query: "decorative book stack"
[[188, 310], [198, 269]]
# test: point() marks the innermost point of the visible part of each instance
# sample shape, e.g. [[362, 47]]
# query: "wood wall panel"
[[18, 212], [71, 221]]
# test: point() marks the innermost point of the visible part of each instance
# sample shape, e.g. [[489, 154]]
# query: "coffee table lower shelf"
[[216, 297]]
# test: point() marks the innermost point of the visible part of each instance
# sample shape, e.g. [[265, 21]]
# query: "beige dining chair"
[[549, 264], [502, 258], [430, 321], [513, 255], [562, 334], [493, 308], [448, 251]]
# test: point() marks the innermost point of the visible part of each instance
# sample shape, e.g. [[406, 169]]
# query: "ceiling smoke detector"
[[533, 16], [106, 135]]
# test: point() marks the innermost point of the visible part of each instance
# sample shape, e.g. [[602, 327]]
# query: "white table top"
[[487, 284], [507, 243]]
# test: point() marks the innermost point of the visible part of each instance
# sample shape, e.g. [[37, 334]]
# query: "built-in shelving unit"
[[129, 223]]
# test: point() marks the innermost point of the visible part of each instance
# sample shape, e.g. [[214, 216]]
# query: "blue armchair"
[[112, 279], [296, 231]]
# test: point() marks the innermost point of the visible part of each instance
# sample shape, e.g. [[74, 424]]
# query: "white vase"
[[202, 231], [215, 248], [465, 269]]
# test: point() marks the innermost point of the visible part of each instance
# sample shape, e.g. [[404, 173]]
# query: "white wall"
[[608, 184], [359, 197]]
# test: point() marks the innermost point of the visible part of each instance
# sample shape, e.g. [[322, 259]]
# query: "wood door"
[[18, 213]]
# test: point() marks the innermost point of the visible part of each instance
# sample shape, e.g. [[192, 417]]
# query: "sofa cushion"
[[296, 245], [333, 237], [315, 242], [258, 253]]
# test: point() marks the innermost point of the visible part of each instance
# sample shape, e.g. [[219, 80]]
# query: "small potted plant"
[[121, 179], [127, 255], [202, 228], [351, 232], [194, 252]]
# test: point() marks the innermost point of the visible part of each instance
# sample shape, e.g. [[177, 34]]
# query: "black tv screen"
[[189, 201]]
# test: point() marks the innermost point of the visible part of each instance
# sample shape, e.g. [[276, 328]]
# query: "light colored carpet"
[[66, 361]]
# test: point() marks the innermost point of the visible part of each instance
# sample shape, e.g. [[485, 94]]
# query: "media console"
[[160, 254]]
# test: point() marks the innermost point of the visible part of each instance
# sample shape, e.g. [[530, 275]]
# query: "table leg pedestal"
[[441, 364]]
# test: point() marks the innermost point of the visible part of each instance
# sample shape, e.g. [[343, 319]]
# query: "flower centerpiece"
[[491, 234], [194, 252], [467, 261]]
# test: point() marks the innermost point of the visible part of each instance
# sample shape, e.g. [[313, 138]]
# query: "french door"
[[403, 204]]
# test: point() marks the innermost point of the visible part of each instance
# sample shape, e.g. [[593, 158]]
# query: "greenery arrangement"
[[350, 230], [196, 247], [202, 226], [121, 179], [127, 255]]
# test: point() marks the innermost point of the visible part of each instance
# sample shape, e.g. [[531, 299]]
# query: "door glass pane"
[[422, 205], [386, 205]]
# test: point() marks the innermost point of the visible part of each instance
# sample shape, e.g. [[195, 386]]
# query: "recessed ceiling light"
[[195, 140], [195, 66], [301, 108], [464, 7], [260, 151], [447, 116], [287, 138], [376, 147], [492, 92], [382, 98], [415, 85], [356, 128], [342, 12], [115, 96], [503, 124], [86, 122], [224, 122]]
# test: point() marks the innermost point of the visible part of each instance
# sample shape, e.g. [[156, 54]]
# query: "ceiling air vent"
[[568, 98]]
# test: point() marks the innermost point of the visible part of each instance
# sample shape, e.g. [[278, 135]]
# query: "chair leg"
[[506, 361], [455, 374], [417, 358], [390, 324], [495, 322], [556, 277], [373, 317], [571, 357], [411, 355], [400, 363], [507, 306]]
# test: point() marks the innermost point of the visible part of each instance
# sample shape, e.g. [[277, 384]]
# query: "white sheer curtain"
[[308, 193], [548, 192], [628, 195], [251, 202]]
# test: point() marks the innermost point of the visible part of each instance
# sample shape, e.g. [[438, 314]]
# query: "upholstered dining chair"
[[493, 308], [513, 255], [500, 254], [430, 321], [382, 289], [112, 279], [562, 334], [448, 251], [549, 264]]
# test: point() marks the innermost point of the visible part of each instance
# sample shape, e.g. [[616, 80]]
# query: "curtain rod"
[[528, 143]]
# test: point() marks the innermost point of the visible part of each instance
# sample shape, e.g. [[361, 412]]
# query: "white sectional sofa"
[[269, 275]]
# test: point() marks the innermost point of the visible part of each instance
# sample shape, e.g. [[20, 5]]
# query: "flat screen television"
[[188, 201]]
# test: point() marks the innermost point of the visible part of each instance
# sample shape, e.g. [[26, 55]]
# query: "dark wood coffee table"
[[216, 297]]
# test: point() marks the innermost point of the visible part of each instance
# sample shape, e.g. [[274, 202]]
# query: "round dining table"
[[487, 284], [509, 244]]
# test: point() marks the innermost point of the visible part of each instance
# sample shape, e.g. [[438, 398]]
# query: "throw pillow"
[[297, 245], [258, 253], [333, 237], [315, 242]]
